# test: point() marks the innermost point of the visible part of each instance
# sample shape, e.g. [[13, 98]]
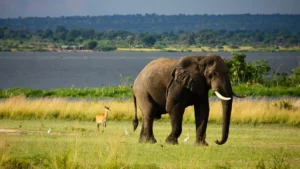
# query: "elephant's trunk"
[[226, 105]]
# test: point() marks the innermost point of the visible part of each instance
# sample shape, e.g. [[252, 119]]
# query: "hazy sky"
[[54, 8]]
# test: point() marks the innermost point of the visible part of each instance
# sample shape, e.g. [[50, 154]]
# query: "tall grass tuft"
[[244, 111], [63, 159], [110, 158]]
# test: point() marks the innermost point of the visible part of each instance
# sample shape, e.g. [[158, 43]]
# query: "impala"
[[101, 118]]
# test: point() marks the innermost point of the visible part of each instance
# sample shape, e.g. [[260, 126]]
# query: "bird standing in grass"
[[126, 132], [49, 131], [187, 138]]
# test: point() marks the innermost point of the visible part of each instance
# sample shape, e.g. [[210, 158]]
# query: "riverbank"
[[178, 48], [169, 49], [49, 47]]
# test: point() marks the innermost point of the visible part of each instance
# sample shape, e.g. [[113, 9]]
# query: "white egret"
[[187, 138]]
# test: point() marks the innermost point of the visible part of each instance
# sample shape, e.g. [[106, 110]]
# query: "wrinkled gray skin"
[[168, 85]]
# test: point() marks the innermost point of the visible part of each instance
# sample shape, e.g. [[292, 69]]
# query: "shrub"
[[91, 44], [242, 72], [106, 48]]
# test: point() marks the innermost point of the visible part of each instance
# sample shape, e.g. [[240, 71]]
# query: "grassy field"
[[77, 144], [264, 134]]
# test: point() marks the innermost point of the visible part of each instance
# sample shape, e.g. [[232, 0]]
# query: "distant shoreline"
[[167, 49]]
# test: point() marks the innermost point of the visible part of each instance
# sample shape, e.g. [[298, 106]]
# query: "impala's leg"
[[98, 124]]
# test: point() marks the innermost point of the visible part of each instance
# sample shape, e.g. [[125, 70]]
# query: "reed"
[[246, 111]]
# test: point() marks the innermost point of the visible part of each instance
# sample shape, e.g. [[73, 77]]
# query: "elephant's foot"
[[201, 141], [150, 140], [172, 140]]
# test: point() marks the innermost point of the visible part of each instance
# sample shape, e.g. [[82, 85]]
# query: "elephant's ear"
[[186, 72], [184, 78]]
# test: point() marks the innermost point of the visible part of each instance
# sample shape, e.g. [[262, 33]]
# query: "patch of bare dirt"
[[18, 132]]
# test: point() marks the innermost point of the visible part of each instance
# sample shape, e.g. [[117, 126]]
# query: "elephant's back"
[[157, 68], [154, 78], [160, 64]]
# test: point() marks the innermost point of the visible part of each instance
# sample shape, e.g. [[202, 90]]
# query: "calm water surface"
[[47, 70]]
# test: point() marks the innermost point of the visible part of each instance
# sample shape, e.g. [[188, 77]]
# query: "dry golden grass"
[[243, 111], [179, 48], [245, 48], [19, 107], [138, 50]]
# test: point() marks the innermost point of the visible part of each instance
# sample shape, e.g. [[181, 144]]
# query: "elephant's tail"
[[135, 121]]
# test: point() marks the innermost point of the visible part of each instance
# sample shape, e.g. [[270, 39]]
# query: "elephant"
[[168, 85]]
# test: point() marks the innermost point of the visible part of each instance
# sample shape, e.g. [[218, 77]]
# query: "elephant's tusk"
[[221, 97], [238, 95]]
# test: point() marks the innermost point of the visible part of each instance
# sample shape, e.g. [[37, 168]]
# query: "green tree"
[[47, 34], [129, 40], [149, 40], [260, 69], [88, 33], [295, 77], [241, 71], [91, 44], [60, 29], [187, 38], [60, 33], [73, 34], [9, 34]]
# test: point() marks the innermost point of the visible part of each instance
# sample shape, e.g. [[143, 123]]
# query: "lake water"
[[47, 70]]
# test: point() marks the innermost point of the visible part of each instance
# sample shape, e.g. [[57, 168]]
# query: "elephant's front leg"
[[176, 114], [201, 117]]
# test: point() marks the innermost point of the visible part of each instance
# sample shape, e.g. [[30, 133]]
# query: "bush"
[[106, 48], [91, 44], [242, 72]]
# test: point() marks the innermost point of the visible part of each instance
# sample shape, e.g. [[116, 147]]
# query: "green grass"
[[77, 144], [259, 90], [116, 92], [126, 92]]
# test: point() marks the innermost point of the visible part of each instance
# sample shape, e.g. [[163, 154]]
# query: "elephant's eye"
[[211, 75]]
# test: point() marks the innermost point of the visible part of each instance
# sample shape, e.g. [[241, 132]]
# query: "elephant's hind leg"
[[148, 111], [146, 135]]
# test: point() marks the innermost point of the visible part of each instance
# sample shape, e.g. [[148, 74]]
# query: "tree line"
[[114, 38], [158, 23]]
